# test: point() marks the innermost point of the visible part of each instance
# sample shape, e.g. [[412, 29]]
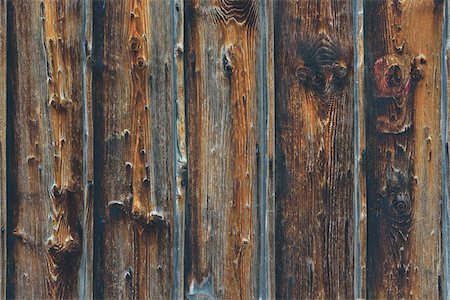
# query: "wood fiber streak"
[[404, 193], [47, 157], [360, 213], [223, 58], [314, 108], [181, 149], [3, 208], [134, 149]]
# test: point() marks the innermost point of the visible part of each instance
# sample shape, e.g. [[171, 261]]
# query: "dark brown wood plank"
[[314, 149], [228, 149], [47, 161], [3, 200], [404, 176], [135, 130]]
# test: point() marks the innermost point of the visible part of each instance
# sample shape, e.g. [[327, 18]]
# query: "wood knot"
[[227, 66], [303, 75], [321, 66], [141, 63], [63, 251], [135, 44], [395, 79], [339, 70]]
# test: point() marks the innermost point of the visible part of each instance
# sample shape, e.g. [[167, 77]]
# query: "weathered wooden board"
[[403, 58], [49, 222], [360, 199], [3, 209], [314, 149], [224, 149], [135, 131], [228, 190]]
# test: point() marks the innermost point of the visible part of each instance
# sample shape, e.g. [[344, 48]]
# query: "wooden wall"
[[230, 149]]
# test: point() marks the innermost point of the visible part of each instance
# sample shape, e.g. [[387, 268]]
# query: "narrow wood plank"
[[267, 107], [404, 176], [134, 149], [314, 149], [181, 148], [87, 258], [227, 148], [3, 199], [360, 198], [47, 101], [445, 151]]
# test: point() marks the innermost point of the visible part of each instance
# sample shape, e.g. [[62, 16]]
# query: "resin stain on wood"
[[403, 90]]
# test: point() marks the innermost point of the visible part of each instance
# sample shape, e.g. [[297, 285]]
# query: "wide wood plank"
[[403, 57], [314, 149], [135, 136], [226, 69], [48, 167]]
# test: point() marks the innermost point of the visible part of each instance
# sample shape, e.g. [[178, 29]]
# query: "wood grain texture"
[[226, 149], [360, 198], [3, 200], [181, 148], [267, 109], [135, 130], [314, 149], [47, 158], [87, 258], [404, 177]]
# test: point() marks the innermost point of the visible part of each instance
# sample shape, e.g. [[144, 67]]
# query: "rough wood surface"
[[3, 208], [47, 209], [226, 150], [404, 176], [181, 148], [314, 149], [135, 130], [360, 198]]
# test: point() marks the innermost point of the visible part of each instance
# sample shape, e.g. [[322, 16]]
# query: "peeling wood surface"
[[224, 51], [314, 149], [46, 152], [404, 175], [134, 149]]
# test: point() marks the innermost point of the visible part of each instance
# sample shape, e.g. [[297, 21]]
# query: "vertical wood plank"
[[314, 149], [3, 199], [47, 168], [181, 148], [87, 259], [445, 151], [228, 148], [134, 148], [360, 198], [267, 132], [404, 181]]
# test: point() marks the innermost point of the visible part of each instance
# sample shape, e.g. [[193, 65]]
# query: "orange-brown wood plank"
[[403, 58], [228, 149], [48, 167], [135, 130], [314, 105]]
